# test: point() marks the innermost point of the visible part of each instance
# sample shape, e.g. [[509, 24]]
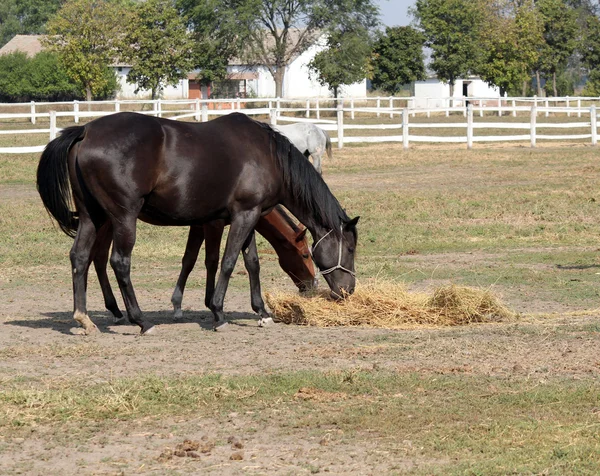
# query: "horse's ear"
[[300, 236], [351, 224]]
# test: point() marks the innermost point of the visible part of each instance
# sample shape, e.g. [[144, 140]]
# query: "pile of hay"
[[390, 305]]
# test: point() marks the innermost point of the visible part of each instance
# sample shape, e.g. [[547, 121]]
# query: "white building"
[[243, 80], [434, 93]]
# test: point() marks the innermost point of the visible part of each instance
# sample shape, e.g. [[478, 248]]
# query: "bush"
[[42, 78]]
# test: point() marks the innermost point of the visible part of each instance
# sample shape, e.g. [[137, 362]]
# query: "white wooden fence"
[[311, 110]]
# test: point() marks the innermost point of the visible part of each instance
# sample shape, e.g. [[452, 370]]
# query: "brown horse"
[[127, 166], [288, 240]]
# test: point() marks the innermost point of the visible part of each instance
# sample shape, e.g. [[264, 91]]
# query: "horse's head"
[[334, 255], [298, 264]]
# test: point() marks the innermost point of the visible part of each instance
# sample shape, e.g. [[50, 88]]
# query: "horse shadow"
[[580, 267], [64, 323]]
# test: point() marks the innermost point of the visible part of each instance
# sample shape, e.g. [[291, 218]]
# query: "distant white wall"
[[127, 90], [434, 88]]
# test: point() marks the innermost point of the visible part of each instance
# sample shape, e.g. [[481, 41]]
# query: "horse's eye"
[[305, 255]]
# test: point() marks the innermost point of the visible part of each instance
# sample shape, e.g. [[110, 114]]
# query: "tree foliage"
[[25, 17], [87, 36], [398, 58], [157, 46], [510, 40], [274, 32], [41, 78], [451, 30], [560, 32], [344, 61]]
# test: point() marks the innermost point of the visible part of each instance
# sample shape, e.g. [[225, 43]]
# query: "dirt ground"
[[39, 343]]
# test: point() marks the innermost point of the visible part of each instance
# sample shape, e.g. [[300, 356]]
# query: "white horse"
[[309, 139]]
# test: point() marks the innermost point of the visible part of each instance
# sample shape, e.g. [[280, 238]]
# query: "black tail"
[[53, 179]]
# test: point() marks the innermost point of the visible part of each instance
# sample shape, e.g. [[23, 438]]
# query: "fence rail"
[[202, 110]]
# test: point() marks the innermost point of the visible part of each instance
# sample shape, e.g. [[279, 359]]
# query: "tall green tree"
[[25, 17], [344, 61], [590, 55], [215, 31], [398, 58], [275, 32], [511, 38], [157, 46], [87, 36], [560, 37], [451, 31]]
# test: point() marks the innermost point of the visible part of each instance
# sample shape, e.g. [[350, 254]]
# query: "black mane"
[[305, 185]]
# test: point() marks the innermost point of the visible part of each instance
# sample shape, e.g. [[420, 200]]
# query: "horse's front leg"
[[194, 242], [213, 233], [242, 224], [250, 254]]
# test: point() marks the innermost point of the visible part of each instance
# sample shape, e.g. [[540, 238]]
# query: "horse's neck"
[[306, 218]]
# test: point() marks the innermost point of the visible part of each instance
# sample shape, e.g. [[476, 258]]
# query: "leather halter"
[[339, 263]]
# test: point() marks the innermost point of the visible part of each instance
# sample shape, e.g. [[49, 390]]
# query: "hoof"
[[88, 326], [149, 331], [221, 327], [266, 322], [178, 314]]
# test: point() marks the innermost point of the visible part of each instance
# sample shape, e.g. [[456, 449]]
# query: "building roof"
[[28, 44]]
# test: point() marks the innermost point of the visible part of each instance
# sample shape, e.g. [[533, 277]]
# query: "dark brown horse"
[[127, 166]]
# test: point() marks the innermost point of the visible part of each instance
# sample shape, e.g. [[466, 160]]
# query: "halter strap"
[[339, 263]]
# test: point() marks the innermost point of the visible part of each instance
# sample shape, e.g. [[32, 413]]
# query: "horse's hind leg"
[[317, 155], [194, 242], [242, 224], [80, 263], [253, 266], [213, 233], [124, 230], [100, 257]]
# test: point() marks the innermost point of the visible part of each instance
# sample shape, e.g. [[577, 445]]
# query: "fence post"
[[547, 105], [239, 103], [117, 105], [204, 112], [533, 124], [307, 108], [232, 106], [317, 109], [514, 105], [405, 128], [579, 108], [391, 107], [52, 125], [197, 109], [352, 108], [427, 105], [447, 107], [33, 112], [568, 106], [340, 124], [273, 116], [500, 106], [76, 111], [470, 126], [159, 104], [155, 107], [594, 119], [535, 103], [278, 107], [378, 106]]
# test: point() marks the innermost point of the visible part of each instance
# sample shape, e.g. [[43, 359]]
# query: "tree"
[[25, 17], [398, 58], [157, 46], [560, 37], [511, 37], [451, 31], [87, 36], [215, 34], [274, 32], [590, 55], [344, 61]]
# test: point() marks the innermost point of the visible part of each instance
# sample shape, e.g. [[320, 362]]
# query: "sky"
[[395, 12]]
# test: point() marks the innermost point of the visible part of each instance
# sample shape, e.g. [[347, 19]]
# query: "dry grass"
[[390, 305]]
